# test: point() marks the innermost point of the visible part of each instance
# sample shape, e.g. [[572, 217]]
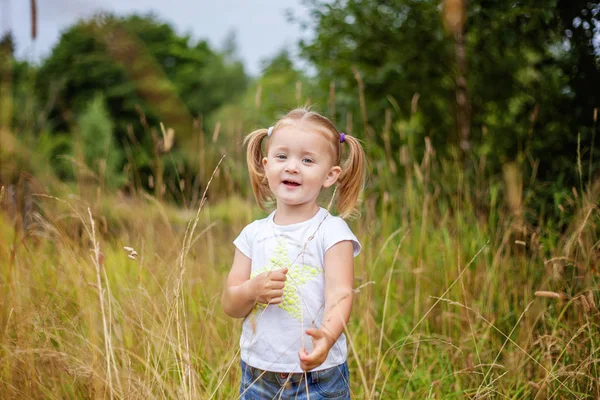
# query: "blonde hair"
[[351, 181]]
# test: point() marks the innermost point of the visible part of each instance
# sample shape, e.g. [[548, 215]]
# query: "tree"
[[100, 153], [392, 45], [280, 88], [7, 48], [141, 66], [532, 73]]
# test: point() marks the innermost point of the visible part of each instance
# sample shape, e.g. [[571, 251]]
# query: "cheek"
[[273, 170], [272, 173]]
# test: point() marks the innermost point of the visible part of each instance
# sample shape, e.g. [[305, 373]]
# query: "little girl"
[[293, 271]]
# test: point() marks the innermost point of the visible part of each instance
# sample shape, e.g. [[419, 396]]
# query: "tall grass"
[[445, 305]]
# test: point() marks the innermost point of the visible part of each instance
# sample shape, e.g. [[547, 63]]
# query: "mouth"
[[290, 183]]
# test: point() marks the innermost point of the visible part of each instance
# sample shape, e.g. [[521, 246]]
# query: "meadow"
[[480, 222], [458, 293]]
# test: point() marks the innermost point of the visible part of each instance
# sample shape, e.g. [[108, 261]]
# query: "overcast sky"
[[261, 26]]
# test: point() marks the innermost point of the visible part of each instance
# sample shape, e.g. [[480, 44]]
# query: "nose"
[[291, 167]]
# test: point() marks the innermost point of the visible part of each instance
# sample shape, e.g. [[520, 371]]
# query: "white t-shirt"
[[272, 335]]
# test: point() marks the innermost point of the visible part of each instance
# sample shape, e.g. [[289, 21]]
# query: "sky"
[[261, 26]]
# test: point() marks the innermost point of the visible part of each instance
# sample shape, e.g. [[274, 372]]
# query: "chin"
[[291, 201]]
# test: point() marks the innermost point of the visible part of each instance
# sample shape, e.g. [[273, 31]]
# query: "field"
[[123, 183], [458, 293]]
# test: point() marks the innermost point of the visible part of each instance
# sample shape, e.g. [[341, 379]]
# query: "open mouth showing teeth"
[[291, 183]]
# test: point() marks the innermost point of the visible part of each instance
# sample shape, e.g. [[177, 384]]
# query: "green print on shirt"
[[298, 275]]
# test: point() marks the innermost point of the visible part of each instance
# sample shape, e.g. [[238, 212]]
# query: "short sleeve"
[[244, 240], [337, 230]]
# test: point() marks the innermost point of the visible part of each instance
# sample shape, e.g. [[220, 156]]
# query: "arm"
[[242, 293], [237, 299], [339, 278]]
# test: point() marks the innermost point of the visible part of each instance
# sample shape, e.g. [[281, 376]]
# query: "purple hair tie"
[[342, 137]]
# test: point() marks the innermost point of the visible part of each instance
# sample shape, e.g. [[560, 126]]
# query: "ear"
[[332, 176], [264, 162]]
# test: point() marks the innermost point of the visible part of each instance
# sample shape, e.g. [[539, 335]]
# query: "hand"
[[322, 343], [267, 288]]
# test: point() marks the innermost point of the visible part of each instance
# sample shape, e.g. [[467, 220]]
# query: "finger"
[[308, 358], [302, 356], [274, 285], [311, 364], [315, 333], [302, 353], [274, 299], [281, 272], [303, 366], [278, 276], [306, 367], [277, 285]]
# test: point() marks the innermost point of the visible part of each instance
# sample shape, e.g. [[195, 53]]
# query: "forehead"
[[301, 136]]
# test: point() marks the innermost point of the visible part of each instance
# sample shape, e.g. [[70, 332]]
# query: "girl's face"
[[298, 164]]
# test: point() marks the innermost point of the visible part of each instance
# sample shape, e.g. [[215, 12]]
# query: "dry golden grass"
[[118, 297]]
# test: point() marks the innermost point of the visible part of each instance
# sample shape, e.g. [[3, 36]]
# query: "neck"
[[292, 214]]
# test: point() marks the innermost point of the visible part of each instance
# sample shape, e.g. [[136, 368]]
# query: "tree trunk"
[[454, 17], [462, 94]]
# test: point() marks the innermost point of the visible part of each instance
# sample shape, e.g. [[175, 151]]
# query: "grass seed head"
[[132, 253], [548, 294]]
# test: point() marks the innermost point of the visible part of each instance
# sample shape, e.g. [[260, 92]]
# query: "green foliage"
[[45, 157], [136, 62], [532, 77], [17, 80], [56, 149], [100, 153], [393, 45], [280, 88]]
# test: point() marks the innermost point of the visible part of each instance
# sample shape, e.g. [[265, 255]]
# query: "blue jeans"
[[331, 383]]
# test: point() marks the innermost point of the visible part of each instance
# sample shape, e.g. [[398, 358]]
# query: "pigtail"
[[256, 171], [352, 178]]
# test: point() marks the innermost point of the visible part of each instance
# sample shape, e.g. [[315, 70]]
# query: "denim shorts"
[[331, 383]]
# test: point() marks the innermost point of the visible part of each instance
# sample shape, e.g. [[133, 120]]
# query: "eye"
[[280, 156], [307, 160]]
